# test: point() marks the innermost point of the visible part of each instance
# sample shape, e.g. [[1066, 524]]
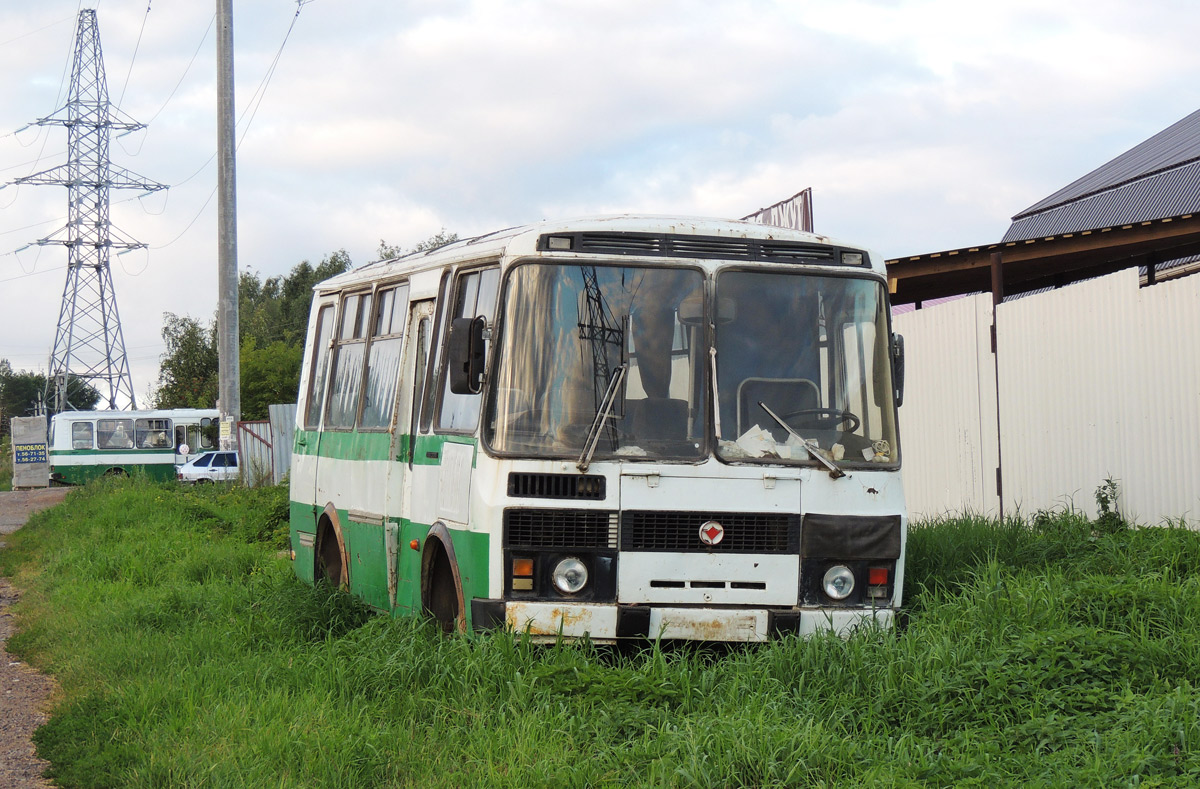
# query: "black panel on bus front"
[[688, 246]]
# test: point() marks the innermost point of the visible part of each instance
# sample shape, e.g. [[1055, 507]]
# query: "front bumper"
[[611, 621]]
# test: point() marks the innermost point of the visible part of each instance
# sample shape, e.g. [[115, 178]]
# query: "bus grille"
[[560, 528], [556, 486], [648, 530]]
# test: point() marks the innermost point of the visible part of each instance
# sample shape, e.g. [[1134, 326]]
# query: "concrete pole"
[[229, 390]]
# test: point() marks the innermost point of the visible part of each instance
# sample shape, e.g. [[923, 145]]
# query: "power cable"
[[252, 106], [136, 47]]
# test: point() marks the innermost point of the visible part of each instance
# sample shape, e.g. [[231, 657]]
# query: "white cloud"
[[920, 124]]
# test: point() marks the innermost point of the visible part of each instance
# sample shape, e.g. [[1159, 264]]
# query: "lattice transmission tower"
[[88, 343]]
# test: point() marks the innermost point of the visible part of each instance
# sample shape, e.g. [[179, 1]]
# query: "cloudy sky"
[[921, 125]]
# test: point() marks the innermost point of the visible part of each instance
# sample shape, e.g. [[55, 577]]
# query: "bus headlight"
[[838, 582], [570, 575]]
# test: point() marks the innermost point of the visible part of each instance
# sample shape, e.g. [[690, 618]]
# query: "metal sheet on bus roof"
[[477, 246], [1176, 145], [1166, 194]]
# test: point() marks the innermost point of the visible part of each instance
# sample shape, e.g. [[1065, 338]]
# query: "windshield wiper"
[[834, 471], [603, 412]]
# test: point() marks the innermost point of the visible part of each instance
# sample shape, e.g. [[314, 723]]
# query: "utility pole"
[[229, 389], [88, 343]]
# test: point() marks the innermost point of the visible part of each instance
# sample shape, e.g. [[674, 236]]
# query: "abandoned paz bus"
[[622, 427], [89, 444]]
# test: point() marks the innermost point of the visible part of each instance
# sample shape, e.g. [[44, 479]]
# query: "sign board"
[[31, 466], [796, 212]]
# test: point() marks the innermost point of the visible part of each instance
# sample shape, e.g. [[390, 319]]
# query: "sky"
[[920, 125]]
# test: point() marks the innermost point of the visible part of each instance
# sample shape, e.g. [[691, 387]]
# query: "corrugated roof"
[[1156, 179], [1172, 193]]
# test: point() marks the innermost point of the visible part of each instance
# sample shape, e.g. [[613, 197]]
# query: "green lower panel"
[[367, 562], [471, 550], [81, 475], [303, 519], [366, 549]]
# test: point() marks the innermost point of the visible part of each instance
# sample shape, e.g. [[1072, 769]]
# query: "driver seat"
[[781, 395]]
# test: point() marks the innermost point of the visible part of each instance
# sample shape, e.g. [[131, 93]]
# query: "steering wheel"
[[822, 419]]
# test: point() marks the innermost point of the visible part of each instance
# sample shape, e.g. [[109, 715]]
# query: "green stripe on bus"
[[375, 446], [93, 452]]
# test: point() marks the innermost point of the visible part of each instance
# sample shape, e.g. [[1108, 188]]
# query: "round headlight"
[[838, 582], [570, 575]]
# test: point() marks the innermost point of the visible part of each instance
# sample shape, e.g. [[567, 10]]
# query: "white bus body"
[[625, 427]]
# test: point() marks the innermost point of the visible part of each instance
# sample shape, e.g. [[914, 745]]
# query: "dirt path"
[[23, 691]]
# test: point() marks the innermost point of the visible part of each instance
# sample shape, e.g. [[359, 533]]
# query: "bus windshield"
[[814, 351], [568, 330]]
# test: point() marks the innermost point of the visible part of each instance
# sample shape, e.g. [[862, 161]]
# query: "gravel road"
[[25, 691]]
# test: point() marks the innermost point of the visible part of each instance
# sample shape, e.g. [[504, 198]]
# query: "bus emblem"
[[711, 533]]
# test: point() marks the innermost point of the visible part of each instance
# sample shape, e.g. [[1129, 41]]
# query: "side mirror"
[[467, 356], [898, 367]]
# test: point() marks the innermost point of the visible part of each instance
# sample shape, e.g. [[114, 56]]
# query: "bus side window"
[[320, 365], [152, 433], [81, 435], [475, 294], [346, 373], [114, 434], [208, 433], [383, 357]]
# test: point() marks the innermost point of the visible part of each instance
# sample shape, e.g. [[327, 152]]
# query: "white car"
[[209, 467]]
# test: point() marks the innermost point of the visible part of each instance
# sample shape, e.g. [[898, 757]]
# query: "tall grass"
[[6, 463], [1048, 654]]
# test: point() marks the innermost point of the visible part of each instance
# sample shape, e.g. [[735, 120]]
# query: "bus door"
[[306, 453], [404, 575]]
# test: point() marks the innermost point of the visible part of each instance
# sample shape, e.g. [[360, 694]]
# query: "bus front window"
[[567, 330], [814, 351]]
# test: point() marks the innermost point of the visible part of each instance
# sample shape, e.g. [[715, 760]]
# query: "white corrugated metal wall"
[[1098, 380], [948, 429], [266, 446], [283, 436]]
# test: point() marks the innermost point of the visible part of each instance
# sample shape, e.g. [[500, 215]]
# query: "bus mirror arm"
[[898, 367], [467, 354]]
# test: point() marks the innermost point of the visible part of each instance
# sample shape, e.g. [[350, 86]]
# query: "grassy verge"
[[1051, 654], [6, 464]]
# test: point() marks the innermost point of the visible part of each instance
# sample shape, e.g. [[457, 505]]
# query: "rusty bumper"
[[610, 621]]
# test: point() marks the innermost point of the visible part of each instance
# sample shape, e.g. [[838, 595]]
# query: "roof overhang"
[[1019, 266]]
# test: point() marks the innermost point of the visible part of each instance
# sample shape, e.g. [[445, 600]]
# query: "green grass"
[[1050, 654], [6, 464]]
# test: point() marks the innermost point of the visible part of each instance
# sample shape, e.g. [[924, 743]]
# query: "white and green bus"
[[623, 427], [89, 444]]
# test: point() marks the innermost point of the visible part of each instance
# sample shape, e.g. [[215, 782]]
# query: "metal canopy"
[[1052, 261]]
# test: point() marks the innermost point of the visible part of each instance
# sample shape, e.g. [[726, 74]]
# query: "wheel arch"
[[330, 523], [438, 539]]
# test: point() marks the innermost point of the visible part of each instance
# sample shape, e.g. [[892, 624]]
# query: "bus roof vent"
[[690, 246], [621, 243], [556, 486]]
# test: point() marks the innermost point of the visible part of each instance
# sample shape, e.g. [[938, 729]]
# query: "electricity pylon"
[[89, 344]]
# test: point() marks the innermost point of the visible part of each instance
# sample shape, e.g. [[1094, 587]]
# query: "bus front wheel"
[[440, 591]]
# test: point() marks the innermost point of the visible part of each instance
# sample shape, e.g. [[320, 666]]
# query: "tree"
[[439, 239], [20, 393], [272, 319], [269, 375], [187, 373]]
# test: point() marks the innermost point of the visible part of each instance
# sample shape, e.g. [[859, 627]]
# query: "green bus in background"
[[89, 444]]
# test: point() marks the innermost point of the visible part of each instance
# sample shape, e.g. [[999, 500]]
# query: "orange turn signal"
[[415, 544], [523, 567]]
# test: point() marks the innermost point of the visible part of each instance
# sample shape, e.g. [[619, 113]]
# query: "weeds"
[[1049, 652]]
